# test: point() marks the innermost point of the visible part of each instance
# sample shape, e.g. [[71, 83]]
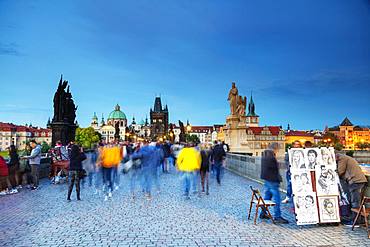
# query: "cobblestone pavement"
[[45, 218]]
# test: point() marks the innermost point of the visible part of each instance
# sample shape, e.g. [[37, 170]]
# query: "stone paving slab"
[[45, 218]]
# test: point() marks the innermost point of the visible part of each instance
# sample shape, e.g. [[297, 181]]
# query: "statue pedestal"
[[62, 131], [242, 122], [232, 121]]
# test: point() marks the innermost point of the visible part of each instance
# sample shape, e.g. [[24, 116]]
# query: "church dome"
[[117, 114]]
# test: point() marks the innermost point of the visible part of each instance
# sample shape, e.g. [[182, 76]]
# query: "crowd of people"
[[21, 170], [143, 162], [101, 167]]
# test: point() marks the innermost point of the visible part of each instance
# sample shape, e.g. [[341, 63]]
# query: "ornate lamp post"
[[188, 127], [171, 136]]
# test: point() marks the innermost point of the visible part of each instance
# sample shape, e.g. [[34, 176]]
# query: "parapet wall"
[[362, 156], [250, 167]]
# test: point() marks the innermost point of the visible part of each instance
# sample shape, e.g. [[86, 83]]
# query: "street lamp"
[[188, 128]]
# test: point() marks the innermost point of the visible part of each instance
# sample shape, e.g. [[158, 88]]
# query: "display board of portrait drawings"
[[314, 197]]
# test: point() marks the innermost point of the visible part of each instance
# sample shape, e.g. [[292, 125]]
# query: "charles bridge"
[[45, 218]]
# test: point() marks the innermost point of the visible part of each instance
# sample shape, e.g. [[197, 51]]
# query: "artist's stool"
[[260, 203], [364, 211]]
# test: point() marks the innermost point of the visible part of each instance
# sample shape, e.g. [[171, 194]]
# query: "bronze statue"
[[64, 107], [59, 100], [233, 98], [116, 134], [63, 124], [182, 137]]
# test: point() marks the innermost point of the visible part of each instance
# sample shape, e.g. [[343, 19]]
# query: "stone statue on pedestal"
[[233, 99], [63, 124], [182, 137], [116, 133]]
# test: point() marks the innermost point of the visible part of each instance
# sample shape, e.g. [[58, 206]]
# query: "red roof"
[[273, 129], [19, 128], [298, 133]]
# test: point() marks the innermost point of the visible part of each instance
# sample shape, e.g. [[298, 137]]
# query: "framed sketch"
[[306, 208], [296, 158], [328, 209], [328, 156], [312, 158], [301, 181], [326, 180]]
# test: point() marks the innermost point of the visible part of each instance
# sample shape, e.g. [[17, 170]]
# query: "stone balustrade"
[[250, 167]]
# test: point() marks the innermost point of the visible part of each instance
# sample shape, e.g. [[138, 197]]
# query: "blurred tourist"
[[25, 167], [270, 175], [4, 177], [218, 156], [204, 168], [145, 155], [110, 157], [166, 147], [75, 168], [135, 172], [89, 164], [13, 166], [188, 163]]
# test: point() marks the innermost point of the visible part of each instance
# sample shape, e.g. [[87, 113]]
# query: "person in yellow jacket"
[[188, 163], [110, 158]]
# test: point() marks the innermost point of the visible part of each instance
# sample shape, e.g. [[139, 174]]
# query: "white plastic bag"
[[127, 166]]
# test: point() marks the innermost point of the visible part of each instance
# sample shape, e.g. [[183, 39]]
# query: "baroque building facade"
[[107, 129], [19, 135], [350, 135]]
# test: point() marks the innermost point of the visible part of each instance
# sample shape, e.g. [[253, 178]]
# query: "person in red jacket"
[[4, 176]]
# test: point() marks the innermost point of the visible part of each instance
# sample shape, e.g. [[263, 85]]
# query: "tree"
[[363, 145], [45, 147], [87, 137], [287, 146], [330, 138], [350, 153], [192, 138], [338, 146]]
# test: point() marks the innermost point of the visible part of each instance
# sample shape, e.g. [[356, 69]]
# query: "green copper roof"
[[251, 108], [95, 117], [117, 114]]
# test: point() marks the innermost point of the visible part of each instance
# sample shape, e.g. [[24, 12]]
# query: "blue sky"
[[307, 62]]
